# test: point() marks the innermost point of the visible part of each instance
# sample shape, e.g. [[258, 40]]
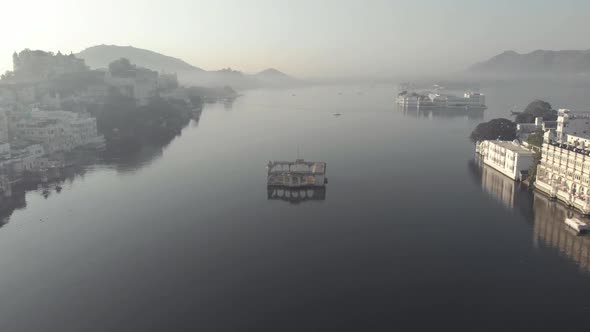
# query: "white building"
[[35, 65], [27, 157], [410, 99], [475, 99], [56, 130], [523, 130], [469, 99], [509, 158], [564, 171], [437, 100]]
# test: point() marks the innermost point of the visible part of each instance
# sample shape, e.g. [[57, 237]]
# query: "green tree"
[[502, 129], [537, 108], [533, 169], [536, 138]]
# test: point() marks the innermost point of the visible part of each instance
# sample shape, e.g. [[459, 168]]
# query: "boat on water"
[[577, 225], [296, 174]]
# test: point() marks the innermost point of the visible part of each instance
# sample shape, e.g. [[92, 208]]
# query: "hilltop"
[[101, 55], [567, 62], [272, 73], [272, 76]]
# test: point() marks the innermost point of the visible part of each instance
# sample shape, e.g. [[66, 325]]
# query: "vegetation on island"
[[537, 108], [533, 168], [535, 139], [505, 130], [502, 129]]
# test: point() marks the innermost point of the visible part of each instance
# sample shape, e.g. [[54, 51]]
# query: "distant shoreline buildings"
[[36, 130], [52, 104], [37, 65], [437, 100]]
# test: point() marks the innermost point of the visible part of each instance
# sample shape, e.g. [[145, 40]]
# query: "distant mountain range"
[[101, 55], [568, 62]]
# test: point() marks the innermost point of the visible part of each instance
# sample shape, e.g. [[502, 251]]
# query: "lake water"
[[411, 231]]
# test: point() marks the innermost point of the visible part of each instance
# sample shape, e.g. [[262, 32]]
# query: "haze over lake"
[[186, 238]]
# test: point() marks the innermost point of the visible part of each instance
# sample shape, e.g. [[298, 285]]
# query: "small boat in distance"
[[577, 225], [337, 114]]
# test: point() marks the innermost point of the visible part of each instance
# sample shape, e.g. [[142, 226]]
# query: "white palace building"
[[507, 157], [564, 171]]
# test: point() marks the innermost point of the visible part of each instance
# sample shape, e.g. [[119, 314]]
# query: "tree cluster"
[[537, 108], [502, 129]]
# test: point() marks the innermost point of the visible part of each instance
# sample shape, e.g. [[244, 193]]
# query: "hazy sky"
[[301, 37]]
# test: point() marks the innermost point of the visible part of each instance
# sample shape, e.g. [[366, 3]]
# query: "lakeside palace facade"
[[509, 158], [564, 170]]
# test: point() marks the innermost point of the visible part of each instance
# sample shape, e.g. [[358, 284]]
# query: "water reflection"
[[196, 117], [501, 188], [130, 162], [550, 230], [13, 196], [9, 203], [433, 113], [79, 162], [228, 104], [296, 195], [546, 216]]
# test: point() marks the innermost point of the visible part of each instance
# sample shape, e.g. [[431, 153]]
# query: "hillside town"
[[53, 104]]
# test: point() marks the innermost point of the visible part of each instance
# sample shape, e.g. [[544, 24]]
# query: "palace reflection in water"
[[550, 229], [13, 196], [430, 113], [296, 195], [547, 216]]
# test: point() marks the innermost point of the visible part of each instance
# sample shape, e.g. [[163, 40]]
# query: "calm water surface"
[[412, 231]]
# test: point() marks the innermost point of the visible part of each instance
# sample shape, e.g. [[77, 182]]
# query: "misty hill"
[[568, 62], [101, 55], [272, 73], [273, 76]]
